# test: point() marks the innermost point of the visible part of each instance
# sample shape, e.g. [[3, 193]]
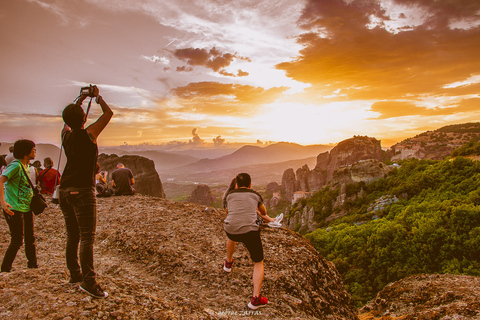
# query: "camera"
[[88, 91]]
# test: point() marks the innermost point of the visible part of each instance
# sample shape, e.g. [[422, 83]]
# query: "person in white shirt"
[[9, 158]]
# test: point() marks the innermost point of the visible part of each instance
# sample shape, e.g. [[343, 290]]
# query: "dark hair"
[[2, 161], [74, 116], [243, 180], [48, 162], [232, 185], [230, 188], [22, 148]]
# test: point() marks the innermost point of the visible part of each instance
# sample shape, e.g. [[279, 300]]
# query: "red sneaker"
[[258, 302], [227, 266]]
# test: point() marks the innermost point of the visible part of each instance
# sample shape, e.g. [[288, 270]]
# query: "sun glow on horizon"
[[309, 124]]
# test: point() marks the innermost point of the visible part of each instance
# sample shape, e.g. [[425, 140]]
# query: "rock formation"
[[316, 180], [288, 183], [272, 187], [351, 151], [427, 296], [323, 159], [272, 195], [363, 170], [437, 144], [302, 175], [302, 220], [352, 160], [202, 195], [146, 177], [346, 153], [160, 259]]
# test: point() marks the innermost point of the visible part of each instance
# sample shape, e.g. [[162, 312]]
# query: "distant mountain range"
[[269, 162], [254, 155], [262, 174], [164, 161], [273, 159]]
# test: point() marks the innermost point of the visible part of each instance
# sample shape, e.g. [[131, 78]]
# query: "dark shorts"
[[252, 242]]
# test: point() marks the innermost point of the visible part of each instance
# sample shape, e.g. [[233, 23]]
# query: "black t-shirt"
[[81, 164], [122, 178]]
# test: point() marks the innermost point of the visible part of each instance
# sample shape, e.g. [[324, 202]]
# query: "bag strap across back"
[[35, 190]]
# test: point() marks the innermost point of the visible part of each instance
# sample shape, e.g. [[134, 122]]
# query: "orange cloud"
[[225, 73], [462, 90], [469, 105], [343, 51], [221, 98], [394, 109], [241, 73]]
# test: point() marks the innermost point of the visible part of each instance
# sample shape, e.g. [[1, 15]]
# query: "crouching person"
[[240, 225]]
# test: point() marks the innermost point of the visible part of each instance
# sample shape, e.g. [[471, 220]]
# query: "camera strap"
[[88, 108]]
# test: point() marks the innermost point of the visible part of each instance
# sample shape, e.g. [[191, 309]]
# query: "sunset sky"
[[310, 72]]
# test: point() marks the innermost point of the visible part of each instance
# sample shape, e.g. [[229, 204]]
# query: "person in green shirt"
[[15, 197]]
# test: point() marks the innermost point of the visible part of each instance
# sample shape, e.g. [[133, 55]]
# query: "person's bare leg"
[[257, 278], [231, 245]]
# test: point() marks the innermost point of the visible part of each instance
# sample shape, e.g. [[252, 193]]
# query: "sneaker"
[[279, 218], [258, 302], [76, 279], [274, 224], [95, 291], [227, 266]]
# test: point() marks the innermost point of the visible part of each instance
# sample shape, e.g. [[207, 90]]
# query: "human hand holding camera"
[[90, 91]]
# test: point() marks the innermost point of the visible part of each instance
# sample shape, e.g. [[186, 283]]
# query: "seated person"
[[101, 187], [47, 177], [123, 181]]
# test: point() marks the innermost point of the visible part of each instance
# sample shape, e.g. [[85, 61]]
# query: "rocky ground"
[[432, 297], [159, 259]]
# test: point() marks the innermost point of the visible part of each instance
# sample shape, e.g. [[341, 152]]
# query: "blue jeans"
[[79, 207], [20, 224]]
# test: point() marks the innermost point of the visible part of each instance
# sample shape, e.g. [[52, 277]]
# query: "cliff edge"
[[160, 259]]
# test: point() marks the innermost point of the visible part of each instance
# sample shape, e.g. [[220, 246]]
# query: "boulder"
[[146, 177], [202, 195], [427, 296]]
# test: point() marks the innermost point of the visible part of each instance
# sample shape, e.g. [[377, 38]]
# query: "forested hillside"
[[434, 227]]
